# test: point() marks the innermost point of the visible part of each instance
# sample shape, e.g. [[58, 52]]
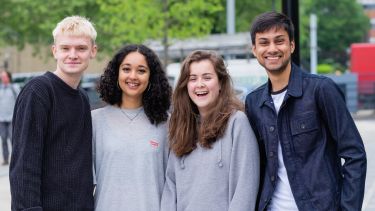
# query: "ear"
[[53, 50], [253, 49], [292, 46], [94, 50]]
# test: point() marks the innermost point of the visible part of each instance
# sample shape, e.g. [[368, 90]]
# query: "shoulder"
[[320, 84], [39, 87], [239, 116], [238, 119], [258, 90], [316, 78], [102, 111], [256, 94]]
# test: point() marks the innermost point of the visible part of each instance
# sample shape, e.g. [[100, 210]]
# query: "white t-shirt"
[[282, 198]]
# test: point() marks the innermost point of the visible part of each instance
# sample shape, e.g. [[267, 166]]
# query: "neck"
[[280, 80], [130, 103], [72, 80]]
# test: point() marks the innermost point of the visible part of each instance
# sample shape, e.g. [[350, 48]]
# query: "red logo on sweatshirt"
[[154, 144]]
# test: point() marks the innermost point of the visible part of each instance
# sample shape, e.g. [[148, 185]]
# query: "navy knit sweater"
[[51, 163]]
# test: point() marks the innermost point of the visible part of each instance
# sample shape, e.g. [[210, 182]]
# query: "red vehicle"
[[362, 62]]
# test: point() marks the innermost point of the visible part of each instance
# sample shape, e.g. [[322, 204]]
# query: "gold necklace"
[[130, 117]]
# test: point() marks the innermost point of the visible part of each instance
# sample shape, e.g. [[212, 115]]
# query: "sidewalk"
[[4, 189]]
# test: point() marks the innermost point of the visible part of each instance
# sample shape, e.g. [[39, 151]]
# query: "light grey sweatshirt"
[[130, 158], [225, 177], [8, 96]]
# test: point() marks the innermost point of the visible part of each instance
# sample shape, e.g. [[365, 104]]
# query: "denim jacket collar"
[[294, 85]]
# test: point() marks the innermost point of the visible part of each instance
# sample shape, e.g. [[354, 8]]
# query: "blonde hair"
[[76, 26]]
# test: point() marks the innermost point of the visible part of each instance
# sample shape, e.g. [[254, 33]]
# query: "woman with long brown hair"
[[214, 159]]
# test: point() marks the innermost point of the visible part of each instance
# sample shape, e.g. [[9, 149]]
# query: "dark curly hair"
[[156, 100]]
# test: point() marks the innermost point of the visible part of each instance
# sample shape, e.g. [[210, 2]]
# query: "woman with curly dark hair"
[[214, 163], [130, 150]]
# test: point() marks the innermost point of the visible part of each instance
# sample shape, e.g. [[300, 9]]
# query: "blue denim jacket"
[[315, 131]]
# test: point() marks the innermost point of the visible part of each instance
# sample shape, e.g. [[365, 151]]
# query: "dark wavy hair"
[[185, 126], [156, 99]]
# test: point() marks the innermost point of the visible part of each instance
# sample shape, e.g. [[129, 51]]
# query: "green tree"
[[340, 23], [117, 21], [32, 21], [245, 10], [128, 21]]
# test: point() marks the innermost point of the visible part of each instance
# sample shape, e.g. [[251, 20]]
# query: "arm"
[[244, 166], [169, 196], [348, 141], [29, 126], [250, 113], [93, 151]]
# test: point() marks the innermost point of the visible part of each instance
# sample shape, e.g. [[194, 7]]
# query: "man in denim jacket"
[[303, 128]]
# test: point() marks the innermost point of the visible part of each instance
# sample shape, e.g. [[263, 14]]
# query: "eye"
[[82, 48], [142, 71], [207, 77], [279, 41], [192, 78], [125, 69], [263, 43]]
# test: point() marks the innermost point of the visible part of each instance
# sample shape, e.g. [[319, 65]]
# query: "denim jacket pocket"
[[305, 132]]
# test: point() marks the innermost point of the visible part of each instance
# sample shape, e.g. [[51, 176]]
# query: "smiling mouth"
[[132, 84], [273, 57], [201, 93]]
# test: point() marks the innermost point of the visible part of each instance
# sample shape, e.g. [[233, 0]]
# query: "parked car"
[[89, 83]]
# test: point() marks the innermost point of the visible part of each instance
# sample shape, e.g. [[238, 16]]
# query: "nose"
[[73, 53], [272, 47], [200, 83], [132, 74]]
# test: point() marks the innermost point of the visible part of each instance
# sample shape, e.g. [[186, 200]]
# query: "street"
[[365, 121]]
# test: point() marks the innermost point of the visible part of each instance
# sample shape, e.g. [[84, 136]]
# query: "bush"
[[325, 68]]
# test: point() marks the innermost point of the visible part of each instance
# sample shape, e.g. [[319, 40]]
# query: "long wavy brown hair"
[[186, 129]]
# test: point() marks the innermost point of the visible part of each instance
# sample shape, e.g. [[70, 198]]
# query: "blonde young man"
[[51, 163]]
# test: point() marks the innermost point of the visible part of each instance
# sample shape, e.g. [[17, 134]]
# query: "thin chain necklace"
[[129, 116]]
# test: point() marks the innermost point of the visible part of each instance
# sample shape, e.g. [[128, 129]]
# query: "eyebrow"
[[204, 74], [127, 64], [277, 37]]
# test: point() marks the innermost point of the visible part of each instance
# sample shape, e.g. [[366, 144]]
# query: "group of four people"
[[281, 151]]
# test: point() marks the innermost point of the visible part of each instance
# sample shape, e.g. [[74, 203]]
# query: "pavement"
[[365, 121]]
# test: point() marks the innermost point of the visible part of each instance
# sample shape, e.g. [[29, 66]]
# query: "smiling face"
[[273, 50], [203, 85], [73, 54], [133, 78]]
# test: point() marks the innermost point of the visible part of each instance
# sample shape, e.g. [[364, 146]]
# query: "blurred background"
[[334, 38]]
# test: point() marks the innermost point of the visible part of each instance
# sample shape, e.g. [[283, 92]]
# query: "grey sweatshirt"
[[130, 158], [8, 96], [225, 177]]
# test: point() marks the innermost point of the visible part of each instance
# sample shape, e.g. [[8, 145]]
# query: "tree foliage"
[[134, 21], [245, 10], [117, 21], [340, 23]]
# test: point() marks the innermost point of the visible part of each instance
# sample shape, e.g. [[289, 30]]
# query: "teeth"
[[132, 84], [201, 93], [272, 57]]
